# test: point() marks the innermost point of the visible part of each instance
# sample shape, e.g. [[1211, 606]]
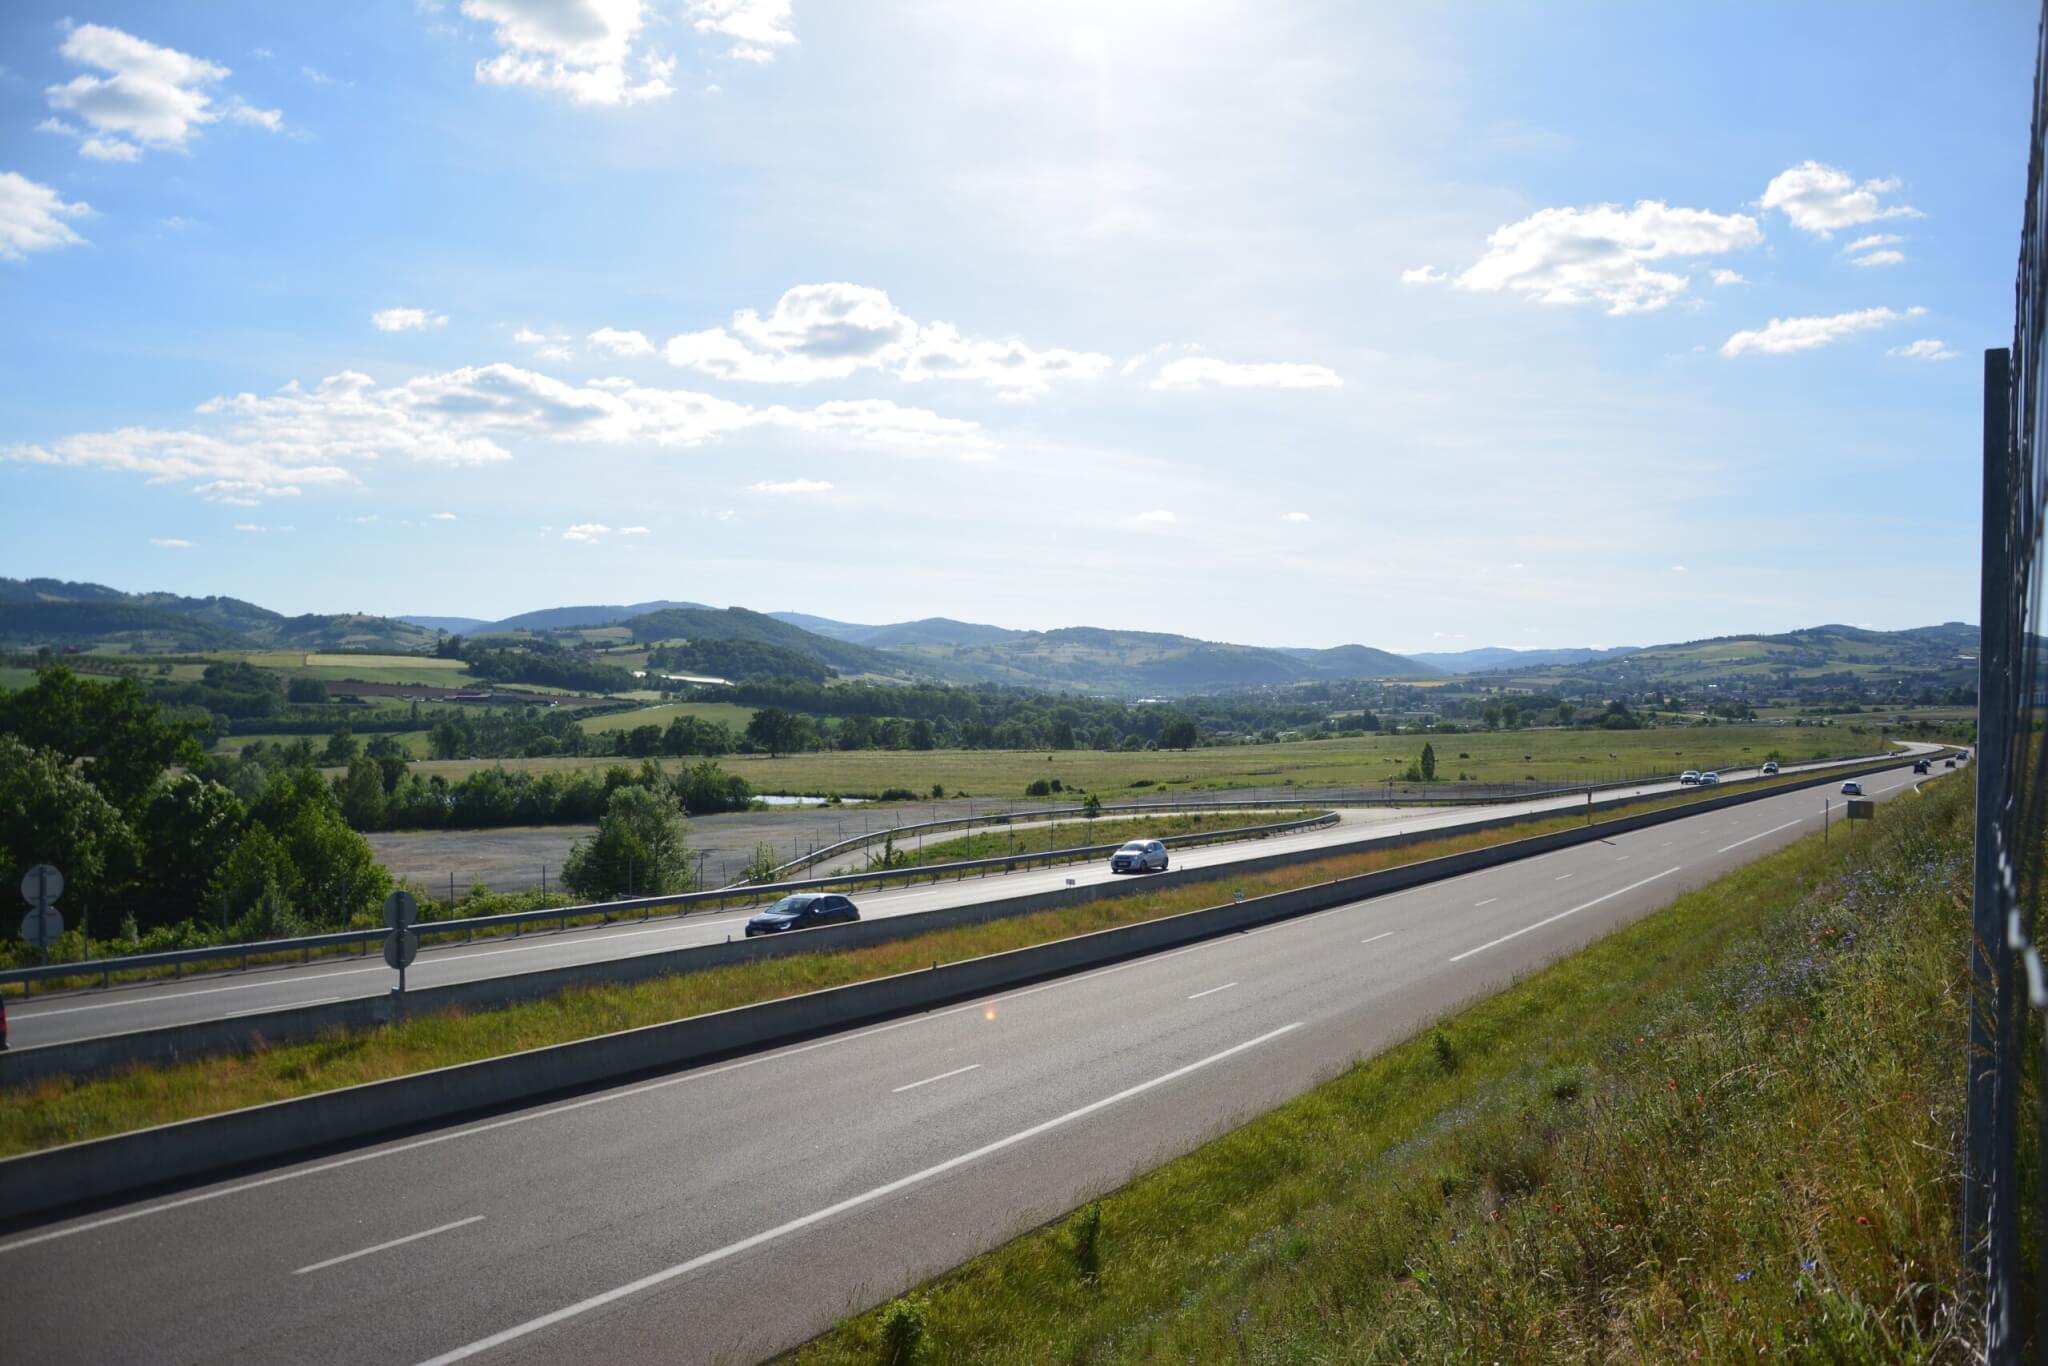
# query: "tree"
[[338, 876], [1428, 763], [1511, 715], [639, 847], [1565, 712], [921, 736], [121, 735], [188, 830], [1179, 731], [305, 692], [49, 814], [361, 793], [775, 730], [1491, 715], [342, 747]]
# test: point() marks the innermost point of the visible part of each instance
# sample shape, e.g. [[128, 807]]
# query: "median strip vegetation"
[[1727, 1131], [62, 1110]]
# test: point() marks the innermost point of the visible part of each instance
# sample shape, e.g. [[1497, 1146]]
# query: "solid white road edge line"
[[1759, 835], [899, 1090], [1377, 938], [395, 1242], [1212, 991], [1494, 943], [866, 1197], [265, 1010], [1488, 902]]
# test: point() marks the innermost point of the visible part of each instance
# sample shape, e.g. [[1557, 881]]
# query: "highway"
[[68, 1016], [731, 1211]]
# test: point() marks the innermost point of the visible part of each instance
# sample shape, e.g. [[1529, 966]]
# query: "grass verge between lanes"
[[1730, 1130], [63, 1110]]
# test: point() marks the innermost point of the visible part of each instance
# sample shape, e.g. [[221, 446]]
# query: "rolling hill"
[[1946, 653], [58, 614], [1494, 657]]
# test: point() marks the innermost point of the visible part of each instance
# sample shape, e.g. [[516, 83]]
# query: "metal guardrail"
[[1034, 814], [367, 940]]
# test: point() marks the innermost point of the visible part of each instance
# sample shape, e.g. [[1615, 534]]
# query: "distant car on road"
[[1689, 777], [1770, 769], [1948, 763], [1139, 856], [1852, 789], [803, 912], [1922, 766], [1709, 779]]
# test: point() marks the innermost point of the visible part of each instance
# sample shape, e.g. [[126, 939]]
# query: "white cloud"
[[1819, 199], [251, 447], [1678, 569], [556, 353], [365, 519], [829, 331], [791, 486], [1724, 278], [526, 336], [617, 342], [1600, 254], [171, 542], [32, 217], [580, 48], [758, 27], [634, 531], [442, 517], [590, 533], [1423, 275], [1160, 515], [1876, 239], [1781, 335], [1295, 517], [1880, 258], [406, 319], [251, 528], [1196, 372], [1927, 348], [727, 515], [151, 95]]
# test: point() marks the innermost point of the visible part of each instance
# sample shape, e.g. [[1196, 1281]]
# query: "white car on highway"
[[1139, 856]]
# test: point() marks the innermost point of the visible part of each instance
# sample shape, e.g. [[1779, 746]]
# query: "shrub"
[[897, 794], [903, 1330], [1039, 788], [938, 791]]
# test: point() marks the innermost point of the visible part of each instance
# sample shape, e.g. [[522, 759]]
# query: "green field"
[[727, 712], [1556, 756]]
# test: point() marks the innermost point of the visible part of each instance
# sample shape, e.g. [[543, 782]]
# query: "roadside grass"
[[64, 1110], [1728, 1131], [1554, 756], [1027, 838]]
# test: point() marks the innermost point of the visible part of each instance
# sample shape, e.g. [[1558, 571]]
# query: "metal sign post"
[[401, 945], [43, 925]]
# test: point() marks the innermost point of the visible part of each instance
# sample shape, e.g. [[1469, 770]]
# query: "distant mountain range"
[[55, 613]]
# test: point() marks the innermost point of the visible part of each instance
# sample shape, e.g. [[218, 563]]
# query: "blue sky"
[[1425, 327]]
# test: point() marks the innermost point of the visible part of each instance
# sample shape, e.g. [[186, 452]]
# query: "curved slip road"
[[68, 1016], [727, 1212]]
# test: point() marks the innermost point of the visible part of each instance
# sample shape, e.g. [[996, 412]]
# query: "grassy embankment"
[[1543, 755], [61, 1110], [1726, 1132]]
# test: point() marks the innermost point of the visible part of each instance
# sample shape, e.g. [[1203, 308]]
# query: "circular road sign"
[[400, 909], [43, 927], [41, 885], [400, 948]]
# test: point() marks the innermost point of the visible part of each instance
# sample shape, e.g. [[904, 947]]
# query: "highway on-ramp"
[[727, 1212], [69, 1016]]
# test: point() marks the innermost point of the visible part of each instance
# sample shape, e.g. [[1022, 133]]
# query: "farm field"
[[730, 713], [1555, 756]]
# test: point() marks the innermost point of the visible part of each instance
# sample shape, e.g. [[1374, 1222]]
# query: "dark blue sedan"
[[803, 912]]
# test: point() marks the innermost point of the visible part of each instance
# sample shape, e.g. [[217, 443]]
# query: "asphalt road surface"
[[730, 1211], [92, 1013]]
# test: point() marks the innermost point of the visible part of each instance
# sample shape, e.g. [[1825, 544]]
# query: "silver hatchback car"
[[1139, 856]]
